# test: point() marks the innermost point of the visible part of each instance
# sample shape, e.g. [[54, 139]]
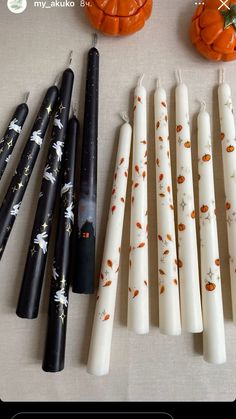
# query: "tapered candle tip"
[[26, 97], [95, 39], [178, 75], [124, 116], [140, 80], [222, 75]]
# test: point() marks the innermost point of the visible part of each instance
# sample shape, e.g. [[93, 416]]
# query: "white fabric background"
[[34, 49]]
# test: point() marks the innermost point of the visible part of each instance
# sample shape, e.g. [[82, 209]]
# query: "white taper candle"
[[228, 137], [213, 317], [138, 295], [191, 314], [169, 307], [101, 339]]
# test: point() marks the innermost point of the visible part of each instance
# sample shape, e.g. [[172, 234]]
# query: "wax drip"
[[26, 97], [222, 75], [140, 80], [178, 75], [124, 116], [95, 39]]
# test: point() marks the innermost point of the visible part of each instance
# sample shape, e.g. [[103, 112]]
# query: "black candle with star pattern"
[[86, 235], [11, 135], [31, 287], [54, 354], [14, 196]]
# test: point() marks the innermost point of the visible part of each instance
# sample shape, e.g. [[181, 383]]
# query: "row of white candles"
[[201, 309]]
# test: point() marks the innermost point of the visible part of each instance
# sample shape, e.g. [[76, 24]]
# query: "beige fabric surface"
[[33, 50]]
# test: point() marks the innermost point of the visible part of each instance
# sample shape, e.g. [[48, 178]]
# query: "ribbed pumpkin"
[[119, 17], [213, 30]]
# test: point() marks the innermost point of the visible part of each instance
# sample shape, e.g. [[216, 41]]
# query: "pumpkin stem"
[[178, 74], [140, 80], [222, 75], [230, 16], [124, 116]]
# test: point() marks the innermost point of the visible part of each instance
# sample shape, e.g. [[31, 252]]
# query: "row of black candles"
[[59, 178]]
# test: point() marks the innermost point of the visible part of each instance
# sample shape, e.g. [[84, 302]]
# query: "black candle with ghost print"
[[14, 196], [86, 235], [31, 287], [54, 354], [13, 131]]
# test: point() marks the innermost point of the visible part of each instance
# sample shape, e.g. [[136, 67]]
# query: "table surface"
[[34, 49]]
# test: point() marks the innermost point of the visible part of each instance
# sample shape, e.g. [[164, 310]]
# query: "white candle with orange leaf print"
[[138, 295], [228, 137], [100, 345], [169, 307], [213, 316], [191, 312]]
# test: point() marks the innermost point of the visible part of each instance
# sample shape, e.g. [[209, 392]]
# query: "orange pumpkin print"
[[180, 179], [222, 136], [217, 262], [187, 144], [193, 214], [227, 205], [181, 227], [179, 128], [230, 149], [162, 289], [179, 263], [210, 286], [175, 281], [106, 317], [206, 157], [204, 208], [136, 293], [118, 17], [213, 30]]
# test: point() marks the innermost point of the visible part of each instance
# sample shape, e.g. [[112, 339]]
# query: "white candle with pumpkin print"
[[228, 138], [191, 312], [101, 339], [213, 317], [169, 306], [138, 295]]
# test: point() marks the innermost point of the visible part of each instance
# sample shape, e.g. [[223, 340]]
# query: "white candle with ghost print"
[[191, 313], [228, 137], [138, 295], [169, 306], [100, 345], [212, 307]]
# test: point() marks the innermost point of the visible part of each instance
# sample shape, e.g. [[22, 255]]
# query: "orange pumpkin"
[[210, 286], [206, 157], [230, 149], [204, 208], [118, 17], [213, 30], [182, 227], [180, 179]]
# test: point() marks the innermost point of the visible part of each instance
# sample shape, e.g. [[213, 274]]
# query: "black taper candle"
[[13, 131], [30, 293], [54, 354], [83, 281], [12, 201]]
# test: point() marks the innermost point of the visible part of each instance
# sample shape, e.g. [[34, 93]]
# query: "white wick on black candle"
[[71, 57], [56, 82], [95, 39], [74, 109], [26, 97]]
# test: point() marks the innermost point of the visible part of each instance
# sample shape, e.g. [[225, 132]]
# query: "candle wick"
[[178, 74], [71, 57], [56, 82], [74, 109], [140, 80], [95, 39], [124, 116], [26, 97], [158, 84], [203, 106], [222, 75]]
